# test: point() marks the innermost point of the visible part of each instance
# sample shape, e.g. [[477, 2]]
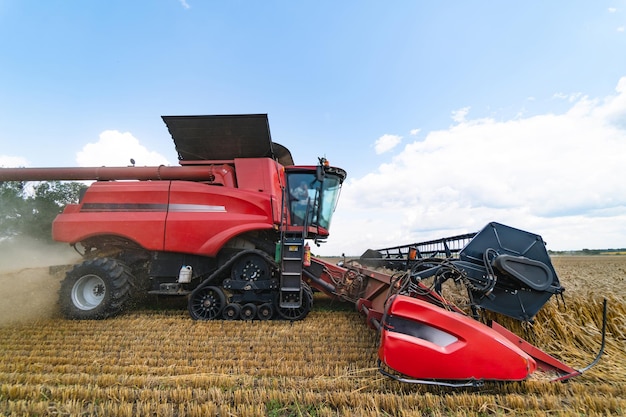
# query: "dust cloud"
[[28, 291]]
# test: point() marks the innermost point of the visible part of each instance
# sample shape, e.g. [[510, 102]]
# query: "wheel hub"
[[88, 292], [206, 303], [250, 271], [251, 268], [98, 291]]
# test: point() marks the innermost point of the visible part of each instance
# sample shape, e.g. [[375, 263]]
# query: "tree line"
[[28, 208]]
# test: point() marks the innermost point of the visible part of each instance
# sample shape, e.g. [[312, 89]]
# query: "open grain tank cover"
[[224, 137]]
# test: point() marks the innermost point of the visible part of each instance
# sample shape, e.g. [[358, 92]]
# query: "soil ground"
[[157, 361]]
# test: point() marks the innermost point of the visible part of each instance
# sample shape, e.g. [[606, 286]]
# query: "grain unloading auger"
[[424, 337]]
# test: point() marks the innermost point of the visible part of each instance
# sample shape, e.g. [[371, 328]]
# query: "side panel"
[[424, 341], [135, 210], [262, 175], [202, 218]]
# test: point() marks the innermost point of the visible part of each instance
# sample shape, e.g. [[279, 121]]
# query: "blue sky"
[[446, 115]]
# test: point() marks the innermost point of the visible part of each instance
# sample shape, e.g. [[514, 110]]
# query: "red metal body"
[[193, 209], [544, 361], [179, 216], [424, 341]]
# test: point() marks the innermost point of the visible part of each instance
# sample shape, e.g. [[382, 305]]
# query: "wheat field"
[[156, 361]]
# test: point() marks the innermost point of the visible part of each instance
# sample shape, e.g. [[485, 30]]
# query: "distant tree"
[[591, 251], [12, 207], [29, 208]]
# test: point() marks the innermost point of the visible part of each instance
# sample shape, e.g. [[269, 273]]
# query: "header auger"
[[228, 229]]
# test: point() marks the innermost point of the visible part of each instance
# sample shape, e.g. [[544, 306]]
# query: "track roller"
[[231, 311], [248, 311], [265, 311]]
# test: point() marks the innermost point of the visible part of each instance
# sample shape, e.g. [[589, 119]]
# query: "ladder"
[[291, 272]]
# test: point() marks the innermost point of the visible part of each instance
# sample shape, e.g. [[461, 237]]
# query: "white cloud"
[[386, 143], [115, 148], [415, 132], [571, 97], [621, 28], [612, 9], [184, 4], [557, 175], [7, 161], [460, 114]]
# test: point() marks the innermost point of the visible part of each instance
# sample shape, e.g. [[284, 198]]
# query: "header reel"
[[505, 270]]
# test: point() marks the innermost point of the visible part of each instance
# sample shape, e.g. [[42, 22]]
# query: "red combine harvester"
[[228, 229]]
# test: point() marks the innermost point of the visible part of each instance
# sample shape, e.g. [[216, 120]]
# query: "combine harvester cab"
[[226, 228], [426, 338]]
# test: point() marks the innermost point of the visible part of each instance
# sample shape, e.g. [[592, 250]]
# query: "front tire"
[[95, 289]]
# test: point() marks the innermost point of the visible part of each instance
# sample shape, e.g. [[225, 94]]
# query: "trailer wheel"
[[206, 303], [95, 289], [301, 312]]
